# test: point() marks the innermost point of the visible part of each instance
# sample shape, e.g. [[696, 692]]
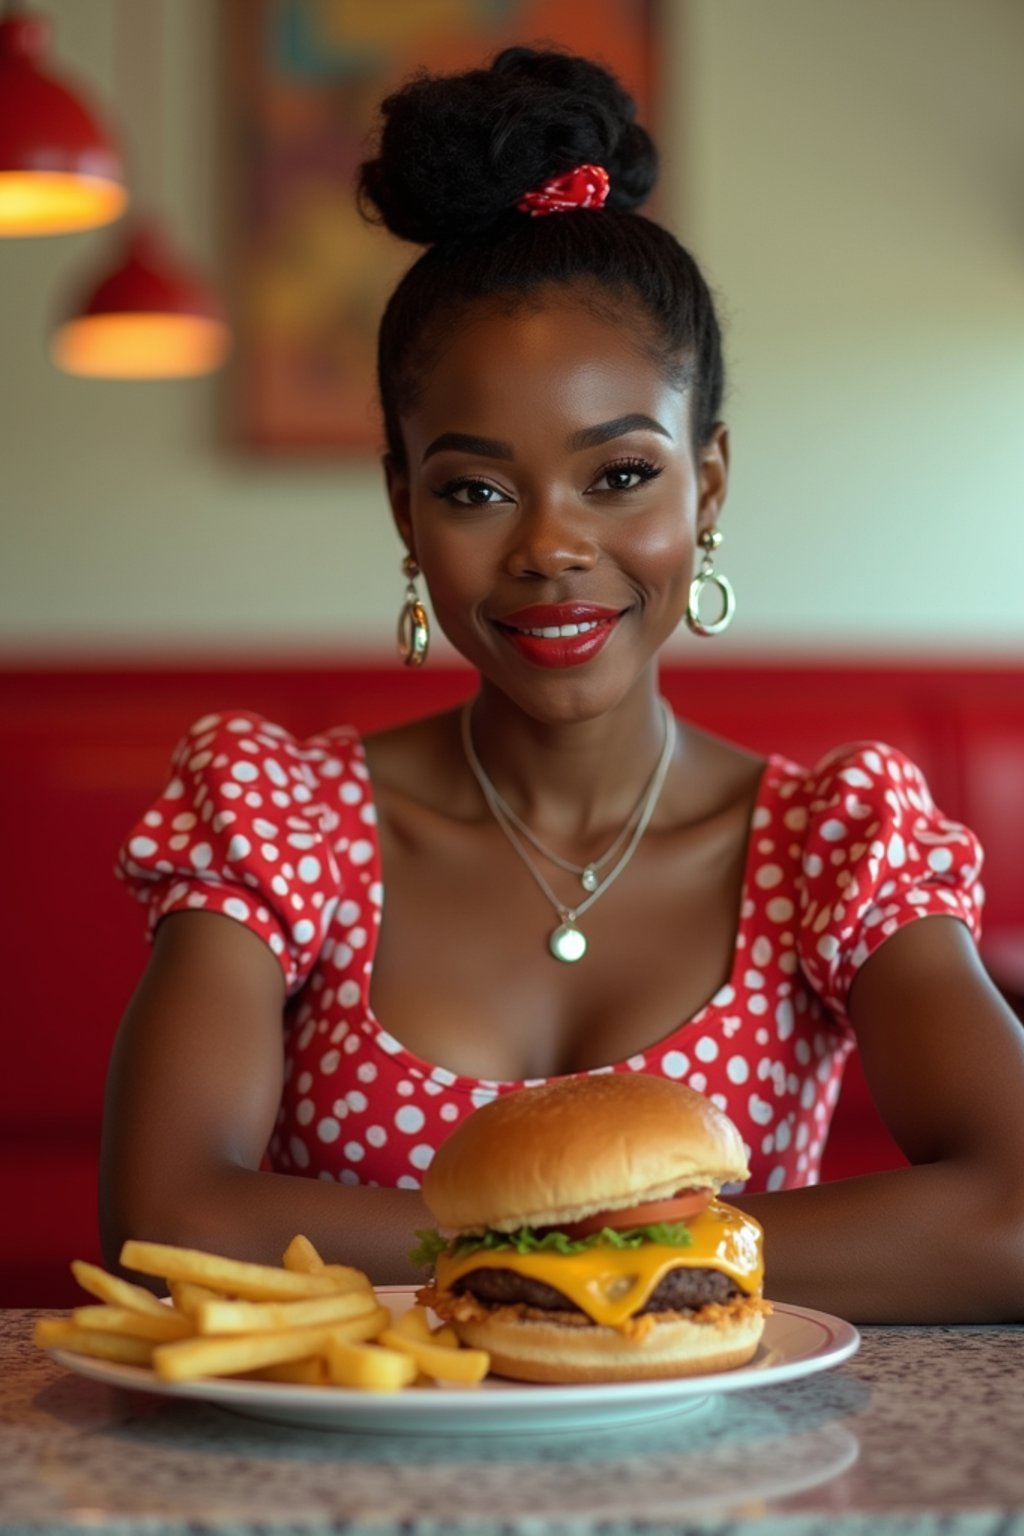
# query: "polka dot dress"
[[280, 835]]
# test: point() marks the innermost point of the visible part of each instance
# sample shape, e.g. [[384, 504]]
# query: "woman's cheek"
[[662, 560], [454, 598]]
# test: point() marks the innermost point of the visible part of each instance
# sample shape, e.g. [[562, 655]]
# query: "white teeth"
[[561, 631]]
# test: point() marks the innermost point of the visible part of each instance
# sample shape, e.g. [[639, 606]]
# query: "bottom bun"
[[531, 1349]]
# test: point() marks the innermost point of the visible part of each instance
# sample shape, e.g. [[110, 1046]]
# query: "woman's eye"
[[626, 476], [470, 493]]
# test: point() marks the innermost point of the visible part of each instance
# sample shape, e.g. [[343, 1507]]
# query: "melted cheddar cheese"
[[611, 1284]]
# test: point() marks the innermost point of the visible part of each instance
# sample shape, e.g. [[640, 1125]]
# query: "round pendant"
[[588, 879], [567, 943]]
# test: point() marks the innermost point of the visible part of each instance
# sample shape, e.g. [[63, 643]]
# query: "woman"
[[575, 881]]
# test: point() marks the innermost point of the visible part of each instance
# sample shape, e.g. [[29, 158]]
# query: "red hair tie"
[[584, 187]]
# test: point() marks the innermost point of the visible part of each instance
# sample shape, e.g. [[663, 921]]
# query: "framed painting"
[[309, 276]]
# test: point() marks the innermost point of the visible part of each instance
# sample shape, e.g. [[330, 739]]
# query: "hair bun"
[[456, 152]]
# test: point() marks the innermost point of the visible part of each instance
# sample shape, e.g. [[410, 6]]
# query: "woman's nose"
[[549, 541]]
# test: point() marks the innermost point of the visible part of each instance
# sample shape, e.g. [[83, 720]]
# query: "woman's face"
[[553, 502]]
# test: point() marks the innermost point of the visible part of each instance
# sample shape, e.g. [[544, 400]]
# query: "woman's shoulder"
[[867, 806], [259, 825], [722, 779], [869, 851], [860, 779], [238, 734], [241, 756], [419, 765]]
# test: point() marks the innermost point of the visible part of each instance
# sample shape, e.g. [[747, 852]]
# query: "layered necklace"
[[566, 942]]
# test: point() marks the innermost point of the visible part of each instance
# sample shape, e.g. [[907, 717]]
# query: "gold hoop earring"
[[413, 624], [710, 540]]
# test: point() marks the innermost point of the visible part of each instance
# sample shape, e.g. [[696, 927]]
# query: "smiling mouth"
[[558, 631], [560, 645]]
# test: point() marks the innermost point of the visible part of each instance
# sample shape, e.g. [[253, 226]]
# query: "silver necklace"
[[566, 942], [589, 875]]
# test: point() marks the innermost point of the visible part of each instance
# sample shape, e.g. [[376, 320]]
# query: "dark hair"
[[457, 152]]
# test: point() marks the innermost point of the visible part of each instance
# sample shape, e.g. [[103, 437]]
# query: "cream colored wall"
[[848, 173]]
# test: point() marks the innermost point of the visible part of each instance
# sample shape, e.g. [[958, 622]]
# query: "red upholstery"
[[86, 750]]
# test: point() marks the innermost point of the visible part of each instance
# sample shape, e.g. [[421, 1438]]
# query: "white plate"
[[796, 1342]]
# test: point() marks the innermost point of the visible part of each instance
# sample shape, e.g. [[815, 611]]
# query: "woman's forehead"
[[556, 361], [557, 318]]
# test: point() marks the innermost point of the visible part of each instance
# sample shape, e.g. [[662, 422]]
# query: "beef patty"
[[681, 1290]]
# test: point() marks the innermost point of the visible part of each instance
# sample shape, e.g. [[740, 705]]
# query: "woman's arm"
[[942, 1240], [192, 1096]]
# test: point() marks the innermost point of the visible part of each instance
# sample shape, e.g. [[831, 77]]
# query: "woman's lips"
[[559, 634]]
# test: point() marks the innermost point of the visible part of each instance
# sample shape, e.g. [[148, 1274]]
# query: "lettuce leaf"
[[673, 1234], [429, 1248]]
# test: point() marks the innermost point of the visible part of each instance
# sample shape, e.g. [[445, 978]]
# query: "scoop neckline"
[[457, 1082]]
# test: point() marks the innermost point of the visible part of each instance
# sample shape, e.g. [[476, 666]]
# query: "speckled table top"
[[921, 1432]]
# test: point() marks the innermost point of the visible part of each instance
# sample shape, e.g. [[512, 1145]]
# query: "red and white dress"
[[280, 835]]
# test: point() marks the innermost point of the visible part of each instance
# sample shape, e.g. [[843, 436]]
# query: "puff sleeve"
[[877, 854], [244, 828]]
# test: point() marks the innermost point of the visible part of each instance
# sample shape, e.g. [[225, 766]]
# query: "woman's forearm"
[[248, 1214], [936, 1243]]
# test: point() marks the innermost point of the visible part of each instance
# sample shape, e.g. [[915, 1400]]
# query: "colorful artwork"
[[310, 277]]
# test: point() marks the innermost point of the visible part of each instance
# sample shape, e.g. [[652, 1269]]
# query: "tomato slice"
[[688, 1203]]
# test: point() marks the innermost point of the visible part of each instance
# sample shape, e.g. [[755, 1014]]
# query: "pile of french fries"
[[308, 1322]]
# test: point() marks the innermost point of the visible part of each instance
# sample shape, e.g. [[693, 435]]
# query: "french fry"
[[369, 1325], [61, 1333], [188, 1297], [308, 1323], [50, 1330], [301, 1373], [301, 1256], [112, 1289], [346, 1278], [467, 1366], [134, 1325], [368, 1367], [236, 1277], [221, 1316], [192, 1358], [227, 1354], [414, 1324]]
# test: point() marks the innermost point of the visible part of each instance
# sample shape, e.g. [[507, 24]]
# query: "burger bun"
[[567, 1149], [527, 1349]]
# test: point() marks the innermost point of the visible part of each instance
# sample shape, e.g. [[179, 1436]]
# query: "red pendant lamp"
[[149, 316], [58, 169]]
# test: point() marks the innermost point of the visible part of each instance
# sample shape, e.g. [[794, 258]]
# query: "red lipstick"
[[548, 615], [559, 634]]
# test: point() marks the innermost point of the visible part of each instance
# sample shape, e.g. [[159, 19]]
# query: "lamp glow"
[[58, 170], [149, 318]]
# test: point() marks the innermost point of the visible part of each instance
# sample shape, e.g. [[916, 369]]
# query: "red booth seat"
[[87, 749]]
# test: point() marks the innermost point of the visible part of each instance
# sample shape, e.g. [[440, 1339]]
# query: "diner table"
[[921, 1431]]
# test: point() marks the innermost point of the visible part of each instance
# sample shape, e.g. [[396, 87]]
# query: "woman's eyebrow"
[[592, 437], [486, 447], [587, 437]]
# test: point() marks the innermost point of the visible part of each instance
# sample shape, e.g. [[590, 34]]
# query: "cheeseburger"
[[582, 1238]]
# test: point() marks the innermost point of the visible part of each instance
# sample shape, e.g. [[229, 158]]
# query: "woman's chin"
[[568, 696]]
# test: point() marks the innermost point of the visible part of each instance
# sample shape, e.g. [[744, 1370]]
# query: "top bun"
[[578, 1145], [457, 152]]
